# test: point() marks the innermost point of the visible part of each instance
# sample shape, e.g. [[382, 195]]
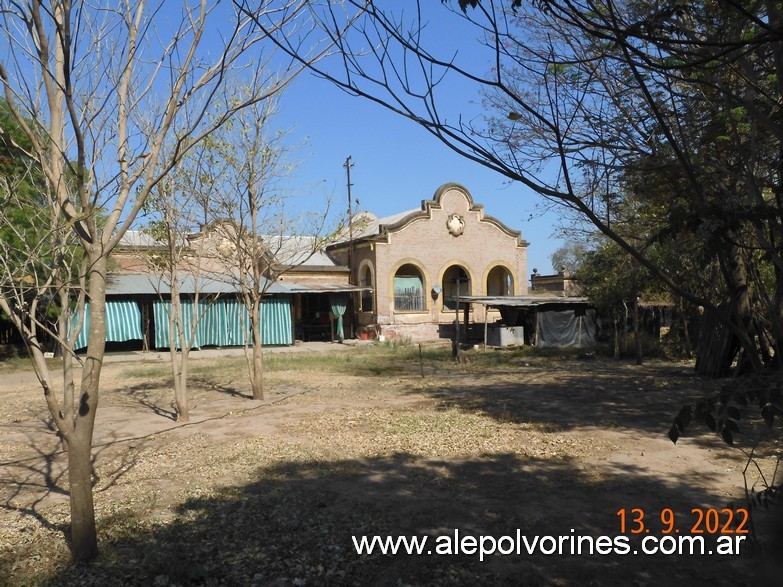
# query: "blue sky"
[[396, 164]]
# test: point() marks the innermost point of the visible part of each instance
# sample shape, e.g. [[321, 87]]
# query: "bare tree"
[[173, 213], [98, 90], [587, 102], [257, 240]]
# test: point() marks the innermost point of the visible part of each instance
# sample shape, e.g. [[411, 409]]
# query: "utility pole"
[[348, 166], [351, 296]]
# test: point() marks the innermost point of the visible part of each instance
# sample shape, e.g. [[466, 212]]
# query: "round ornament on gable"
[[456, 224]]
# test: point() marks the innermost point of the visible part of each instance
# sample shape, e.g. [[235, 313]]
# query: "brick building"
[[561, 283], [415, 264], [398, 276]]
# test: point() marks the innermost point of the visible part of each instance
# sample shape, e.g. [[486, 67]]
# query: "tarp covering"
[[225, 322], [123, 322], [565, 328]]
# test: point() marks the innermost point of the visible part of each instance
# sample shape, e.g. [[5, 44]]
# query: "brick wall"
[[424, 240]]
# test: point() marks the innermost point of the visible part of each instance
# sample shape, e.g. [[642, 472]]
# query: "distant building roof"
[[300, 251], [287, 250], [139, 239], [366, 224]]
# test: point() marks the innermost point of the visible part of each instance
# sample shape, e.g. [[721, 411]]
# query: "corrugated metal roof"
[[287, 249], [299, 251], [149, 284], [523, 301], [325, 288], [139, 239]]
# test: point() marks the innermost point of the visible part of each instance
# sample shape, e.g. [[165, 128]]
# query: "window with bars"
[[409, 290]]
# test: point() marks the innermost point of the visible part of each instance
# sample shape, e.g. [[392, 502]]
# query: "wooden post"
[[455, 349], [486, 312], [637, 335]]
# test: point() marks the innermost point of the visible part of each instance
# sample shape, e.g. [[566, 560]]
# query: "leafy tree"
[[569, 257], [24, 195], [590, 103]]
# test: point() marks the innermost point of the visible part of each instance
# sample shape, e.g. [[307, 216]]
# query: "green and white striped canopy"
[[123, 322], [221, 322], [225, 322]]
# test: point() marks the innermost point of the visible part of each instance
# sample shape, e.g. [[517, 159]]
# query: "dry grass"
[[271, 493]]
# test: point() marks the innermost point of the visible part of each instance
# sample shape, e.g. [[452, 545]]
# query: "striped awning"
[[225, 322], [161, 312], [123, 322], [276, 327]]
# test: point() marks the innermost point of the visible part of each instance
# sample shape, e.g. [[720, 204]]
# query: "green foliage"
[[723, 411], [604, 276], [570, 256], [22, 223], [14, 144]]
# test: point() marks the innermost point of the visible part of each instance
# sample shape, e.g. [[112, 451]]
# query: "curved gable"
[[451, 197]]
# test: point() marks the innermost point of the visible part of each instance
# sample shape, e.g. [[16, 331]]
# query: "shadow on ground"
[[293, 526], [578, 393]]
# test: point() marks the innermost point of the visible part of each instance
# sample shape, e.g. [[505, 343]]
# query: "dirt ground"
[[271, 492]]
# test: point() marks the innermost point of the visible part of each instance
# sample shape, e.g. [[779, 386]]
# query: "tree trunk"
[[739, 323], [717, 347], [257, 369], [637, 338], [178, 361], [69, 387], [84, 541], [726, 333], [616, 337], [741, 307], [776, 319], [686, 335], [178, 367], [625, 329], [84, 546]]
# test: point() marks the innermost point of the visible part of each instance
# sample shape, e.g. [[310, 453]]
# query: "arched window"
[[409, 289], [365, 280], [455, 281], [500, 282]]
